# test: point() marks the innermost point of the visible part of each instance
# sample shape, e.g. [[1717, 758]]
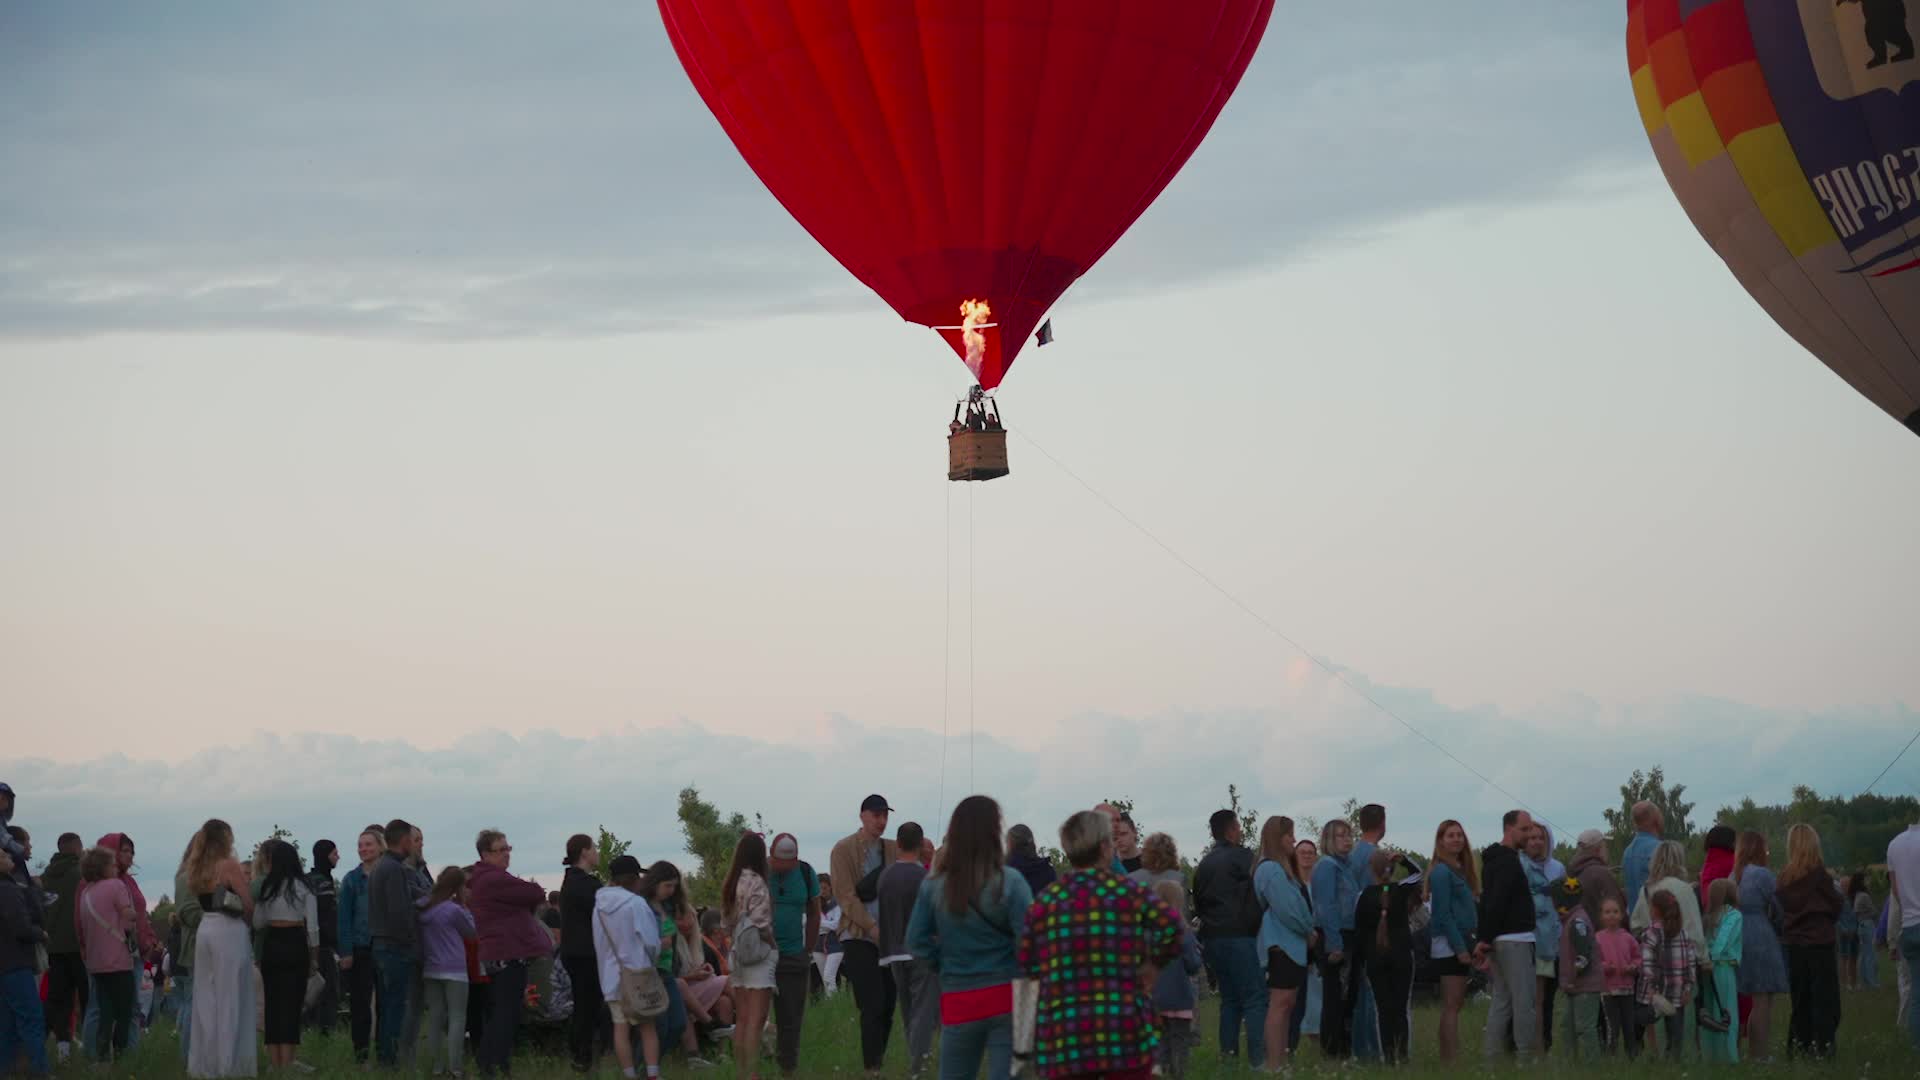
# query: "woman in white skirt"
[[223, 1042], [749, 910]]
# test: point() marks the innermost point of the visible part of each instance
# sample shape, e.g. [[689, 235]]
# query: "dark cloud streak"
[[363, 166]]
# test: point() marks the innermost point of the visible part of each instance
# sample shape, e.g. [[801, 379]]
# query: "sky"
[[421, 410]]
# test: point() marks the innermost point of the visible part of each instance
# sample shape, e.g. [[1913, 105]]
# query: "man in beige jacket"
[[855, 866]]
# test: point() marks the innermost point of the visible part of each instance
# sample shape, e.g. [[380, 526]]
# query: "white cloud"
[[1303, 757]]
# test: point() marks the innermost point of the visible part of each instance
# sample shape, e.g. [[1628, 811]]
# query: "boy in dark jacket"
[[66, 972]]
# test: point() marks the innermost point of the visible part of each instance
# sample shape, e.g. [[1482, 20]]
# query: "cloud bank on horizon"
[[1303, 757], [467, 171]]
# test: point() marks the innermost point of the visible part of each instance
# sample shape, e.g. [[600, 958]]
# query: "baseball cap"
[[1591, 837], [875, 804], [624, 866], [784, 854]]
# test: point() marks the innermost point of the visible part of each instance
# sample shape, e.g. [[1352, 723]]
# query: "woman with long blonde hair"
[[1452, 885], [222, 1042], [1286, 927], [1810, 905]]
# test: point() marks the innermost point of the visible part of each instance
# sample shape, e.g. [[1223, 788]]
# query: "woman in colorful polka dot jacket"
[[1089, 939]]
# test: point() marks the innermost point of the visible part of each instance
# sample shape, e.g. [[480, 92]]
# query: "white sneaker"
[[63, 1051], [722, 1032], [695, 1061]]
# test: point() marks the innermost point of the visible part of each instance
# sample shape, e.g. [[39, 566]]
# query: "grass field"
[[1870, 1045]]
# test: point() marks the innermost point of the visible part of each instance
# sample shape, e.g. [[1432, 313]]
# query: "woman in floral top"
[[1088, 938]]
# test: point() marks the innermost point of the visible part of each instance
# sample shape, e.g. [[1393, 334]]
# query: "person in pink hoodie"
[[107, 924], [122, 847]]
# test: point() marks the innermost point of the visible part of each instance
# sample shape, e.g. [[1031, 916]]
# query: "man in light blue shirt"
[[1648, 826]]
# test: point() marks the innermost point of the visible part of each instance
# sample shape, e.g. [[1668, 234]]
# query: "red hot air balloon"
[[966, 159]]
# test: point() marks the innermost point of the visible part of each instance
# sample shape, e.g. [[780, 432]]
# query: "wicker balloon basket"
[[976, 455]]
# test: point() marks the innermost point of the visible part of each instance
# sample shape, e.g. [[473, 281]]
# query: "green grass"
[[1870, 1045]]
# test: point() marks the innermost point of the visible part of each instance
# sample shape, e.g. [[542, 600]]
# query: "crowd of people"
[[983, 949]]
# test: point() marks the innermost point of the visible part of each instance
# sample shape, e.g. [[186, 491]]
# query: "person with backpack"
[[856, 863], [794, 891], [1382, 944], [1582, 973], [1286, 932], [966, 923], [915, 979], [1223, 898], [748, 906]]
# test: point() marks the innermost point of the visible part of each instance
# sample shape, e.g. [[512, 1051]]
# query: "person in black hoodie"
[[591, 1026], [20, 931], [1229, 921], [1382, 946], [67, 973], [1506, 942], [326, 1008]]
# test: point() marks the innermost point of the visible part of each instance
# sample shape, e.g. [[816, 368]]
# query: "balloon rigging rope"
[[1271, 628], [946, 652], [972, 787], [1891, 764]]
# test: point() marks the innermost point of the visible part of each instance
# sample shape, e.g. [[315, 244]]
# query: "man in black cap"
[[856, 864], [326, 1008]]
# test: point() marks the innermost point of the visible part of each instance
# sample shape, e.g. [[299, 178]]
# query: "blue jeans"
[[182, 994], [1365, 1022], [1910, 952], [23, 1024], [90, 1023], [963, 1045], [673, 1023], [1243, 995], [393, 983]]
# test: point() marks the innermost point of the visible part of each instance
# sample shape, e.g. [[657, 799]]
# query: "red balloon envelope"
[[949, 151]]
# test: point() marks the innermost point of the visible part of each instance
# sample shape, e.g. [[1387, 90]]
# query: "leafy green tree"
[[711, 838], [611, 848], [160, 918], [278, 833], [1651, 787], [1853, 831]]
